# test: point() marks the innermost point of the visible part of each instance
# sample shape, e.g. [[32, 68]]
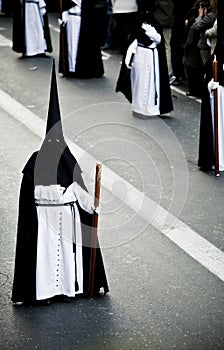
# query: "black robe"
[[18, 34], [7, 7], [206, 157], [89, 63], [124, 80], [68, 171]]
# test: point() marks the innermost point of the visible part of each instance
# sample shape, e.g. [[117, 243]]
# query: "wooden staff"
[[216, 125], [62, 40], [95, 228]]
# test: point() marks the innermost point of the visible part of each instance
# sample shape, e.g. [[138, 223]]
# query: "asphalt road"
[[161, 220]]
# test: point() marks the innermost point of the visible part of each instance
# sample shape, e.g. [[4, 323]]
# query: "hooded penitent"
[[130, 81], [53, 164]]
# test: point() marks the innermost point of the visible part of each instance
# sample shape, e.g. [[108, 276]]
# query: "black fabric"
[[89, 62], [54, 115], [7, 7], [206, 158]]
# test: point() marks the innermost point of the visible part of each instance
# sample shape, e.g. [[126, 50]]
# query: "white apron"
[[72, 19], [59, 268], [34, 31]]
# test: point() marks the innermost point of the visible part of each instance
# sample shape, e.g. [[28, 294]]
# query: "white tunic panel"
[[72, 18], [34, 32], [220, 123], [145, 82], [58, 227]]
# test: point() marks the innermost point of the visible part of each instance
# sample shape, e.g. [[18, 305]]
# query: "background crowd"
[[189, 28]]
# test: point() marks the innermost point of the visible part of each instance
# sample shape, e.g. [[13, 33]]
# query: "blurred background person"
[[178, 39], [211, 35], [205, 20], [124, 17], [164, 14], [192, 58]]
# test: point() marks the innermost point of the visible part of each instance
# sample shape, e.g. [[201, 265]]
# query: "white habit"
[[58, 267], [34, 30], [145, 79], [72, 20]]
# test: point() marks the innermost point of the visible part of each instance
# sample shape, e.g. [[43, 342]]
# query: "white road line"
[[4, 41], [181, 92], [182, 235], [55, 29]]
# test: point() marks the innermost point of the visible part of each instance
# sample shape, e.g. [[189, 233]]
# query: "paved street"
[[161, 220]]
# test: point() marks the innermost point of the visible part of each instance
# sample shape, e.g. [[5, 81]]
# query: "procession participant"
[[206, 157], [54, 234], [80, 54], [31, 34], [143, 77]]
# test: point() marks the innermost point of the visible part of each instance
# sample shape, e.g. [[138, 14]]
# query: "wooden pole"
[[95, 228], [216, 125]]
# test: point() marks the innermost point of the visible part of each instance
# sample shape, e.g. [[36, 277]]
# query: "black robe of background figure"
[[7, 7], [206, 157], [52, 164], [124, 79], [89, 63]]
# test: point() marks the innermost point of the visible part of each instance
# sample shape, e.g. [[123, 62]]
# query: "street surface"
[[161, 218]]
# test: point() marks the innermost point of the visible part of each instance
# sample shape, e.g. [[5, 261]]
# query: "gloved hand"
[[146, 26], [60, 22], [43, 11], [130, 52], [212, 85], [152, 33]]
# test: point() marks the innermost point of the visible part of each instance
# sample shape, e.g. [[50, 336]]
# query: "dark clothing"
[[163, 13], [24, 284], [7, 7], [193, 63], [206, 158]]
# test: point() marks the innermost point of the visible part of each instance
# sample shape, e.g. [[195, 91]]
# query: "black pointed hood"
[[54, 126]]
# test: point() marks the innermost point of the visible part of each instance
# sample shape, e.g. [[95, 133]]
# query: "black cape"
[[89, 63], [124, 80]]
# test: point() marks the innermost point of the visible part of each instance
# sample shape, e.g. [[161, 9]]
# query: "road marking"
[[181, 234], [181, 92], [55, 29], [4, 41]]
